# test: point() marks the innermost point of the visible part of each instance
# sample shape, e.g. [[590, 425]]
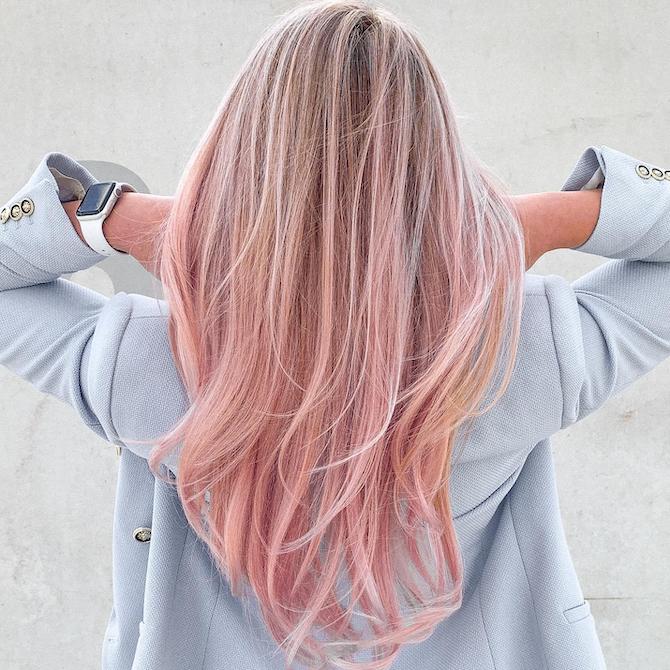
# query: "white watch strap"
[[91, 228]]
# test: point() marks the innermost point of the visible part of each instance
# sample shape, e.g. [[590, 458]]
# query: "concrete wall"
[[136, 83]]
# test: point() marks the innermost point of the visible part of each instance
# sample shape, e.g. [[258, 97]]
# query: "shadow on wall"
[[126, 273]]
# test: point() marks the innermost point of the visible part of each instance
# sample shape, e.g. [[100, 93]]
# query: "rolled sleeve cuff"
[[43, 245]]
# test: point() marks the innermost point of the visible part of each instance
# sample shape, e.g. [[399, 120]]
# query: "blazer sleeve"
[[61, 337], [612, 325]]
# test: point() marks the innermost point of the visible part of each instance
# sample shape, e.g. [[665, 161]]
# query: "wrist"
[[118, 227], [558, 220], [115, 227], [132, 226]]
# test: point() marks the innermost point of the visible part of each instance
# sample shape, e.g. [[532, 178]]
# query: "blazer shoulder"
[[148, 396], [530, 408], [533, 284], [144, 306]]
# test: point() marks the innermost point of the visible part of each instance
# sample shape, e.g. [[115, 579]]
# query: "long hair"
[[343, 279]]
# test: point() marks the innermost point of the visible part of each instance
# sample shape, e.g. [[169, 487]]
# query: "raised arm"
[[556, 220], [611, 325], [131, 226], [551, 220]]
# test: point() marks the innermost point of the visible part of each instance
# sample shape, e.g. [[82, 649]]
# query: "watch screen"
[[95, 199]]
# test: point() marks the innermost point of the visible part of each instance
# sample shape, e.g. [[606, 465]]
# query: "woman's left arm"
[[60, 336], [132, 225]]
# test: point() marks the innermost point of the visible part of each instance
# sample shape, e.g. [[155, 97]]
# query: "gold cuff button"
[[657, 174], [643, 171], [15, 212], [4, 214], [142, 534], [27, 206]]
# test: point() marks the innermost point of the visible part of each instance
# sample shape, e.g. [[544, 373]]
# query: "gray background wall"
[[136, 84]]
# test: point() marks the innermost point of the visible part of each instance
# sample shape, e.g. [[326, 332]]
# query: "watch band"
[[91, 225]]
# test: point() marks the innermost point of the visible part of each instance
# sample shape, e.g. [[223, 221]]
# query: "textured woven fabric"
[[523, 607]]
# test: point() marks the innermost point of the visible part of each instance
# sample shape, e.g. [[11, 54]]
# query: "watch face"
[[95, 199]]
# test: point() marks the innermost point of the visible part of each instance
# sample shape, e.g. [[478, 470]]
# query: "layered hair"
[[344, 280]]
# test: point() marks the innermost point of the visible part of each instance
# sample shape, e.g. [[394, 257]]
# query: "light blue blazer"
[[523, 607]]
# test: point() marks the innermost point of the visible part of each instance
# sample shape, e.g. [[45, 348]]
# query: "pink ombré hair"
[[343, 278]]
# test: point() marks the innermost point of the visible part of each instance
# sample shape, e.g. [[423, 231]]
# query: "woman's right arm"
[[556, 220], [611, 326]]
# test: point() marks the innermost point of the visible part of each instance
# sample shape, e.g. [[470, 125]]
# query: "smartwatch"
[[98, 202]]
